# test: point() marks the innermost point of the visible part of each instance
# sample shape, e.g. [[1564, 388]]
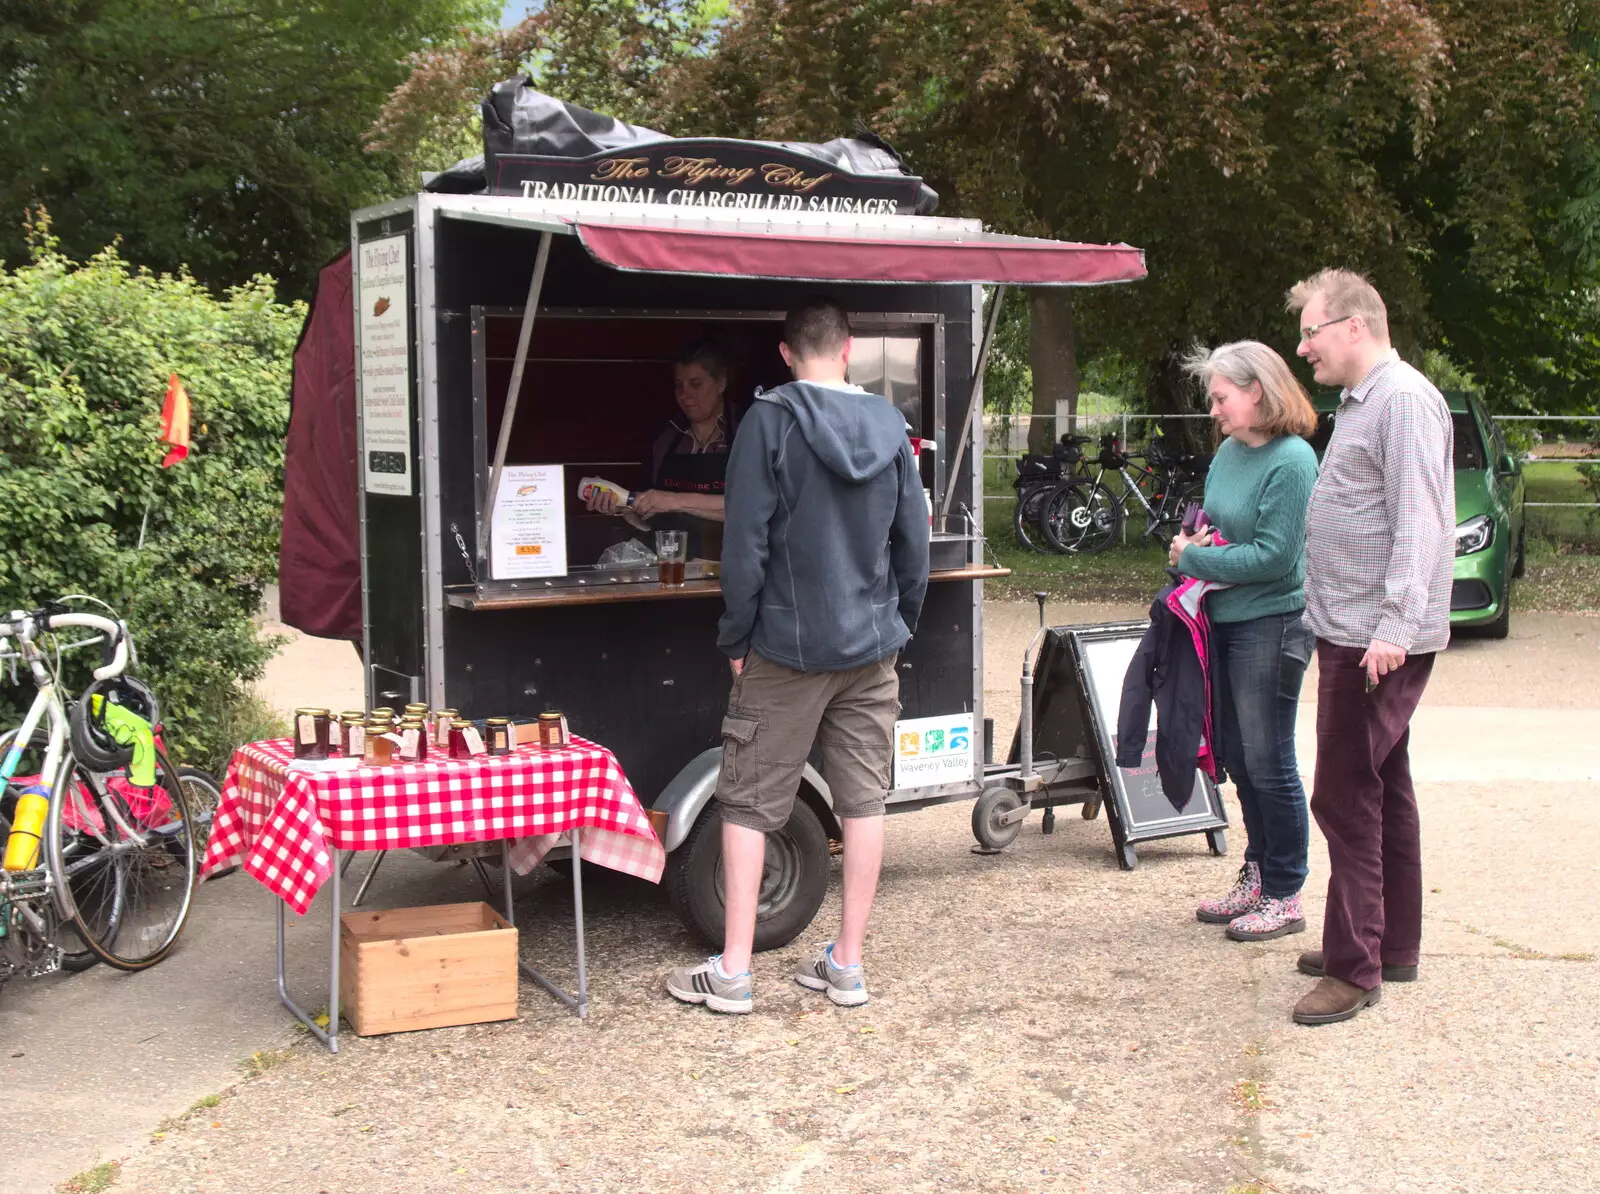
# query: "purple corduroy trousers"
[[1365, 806]]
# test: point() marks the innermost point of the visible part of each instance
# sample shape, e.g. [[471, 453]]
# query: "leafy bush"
[[85, 353], [1590, 475]]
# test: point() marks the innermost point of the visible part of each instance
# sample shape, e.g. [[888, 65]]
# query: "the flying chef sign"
[[706, 173]]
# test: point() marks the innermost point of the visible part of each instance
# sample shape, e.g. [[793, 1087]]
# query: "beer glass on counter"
[[672, 551]]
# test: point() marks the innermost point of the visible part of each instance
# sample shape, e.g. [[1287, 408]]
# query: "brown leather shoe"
[[1311, 963], [1332, 1000]]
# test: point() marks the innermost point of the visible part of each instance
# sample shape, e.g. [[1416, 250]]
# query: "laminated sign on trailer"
[[386, 365]]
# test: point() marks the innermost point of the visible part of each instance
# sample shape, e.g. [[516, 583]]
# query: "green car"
[[1490, 529]]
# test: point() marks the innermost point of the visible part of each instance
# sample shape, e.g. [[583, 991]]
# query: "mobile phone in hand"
[[1194, 519]]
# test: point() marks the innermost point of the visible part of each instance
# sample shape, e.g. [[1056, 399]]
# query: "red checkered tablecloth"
[[284, 819]]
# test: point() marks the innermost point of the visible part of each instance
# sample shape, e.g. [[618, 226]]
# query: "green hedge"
[[85, 353]]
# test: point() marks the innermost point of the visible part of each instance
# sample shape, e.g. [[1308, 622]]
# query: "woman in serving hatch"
[[689, 457]]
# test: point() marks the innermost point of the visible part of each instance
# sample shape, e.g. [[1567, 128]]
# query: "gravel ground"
[[1040, 1020]]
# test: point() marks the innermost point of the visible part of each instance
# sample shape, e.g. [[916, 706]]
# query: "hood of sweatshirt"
[[856, 434]]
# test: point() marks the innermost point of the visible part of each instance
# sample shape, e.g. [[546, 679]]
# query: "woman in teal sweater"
[[1256, 497]]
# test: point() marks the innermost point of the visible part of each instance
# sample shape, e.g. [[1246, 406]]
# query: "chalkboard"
[[1077, 691]]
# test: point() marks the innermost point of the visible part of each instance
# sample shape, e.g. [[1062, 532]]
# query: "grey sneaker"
[[846, 985], [702, 984]]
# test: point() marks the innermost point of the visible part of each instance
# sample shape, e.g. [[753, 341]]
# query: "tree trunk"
[[1052, 355], [1173, 394]]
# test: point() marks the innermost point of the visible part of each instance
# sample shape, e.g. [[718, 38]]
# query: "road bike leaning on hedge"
[[97, 865]]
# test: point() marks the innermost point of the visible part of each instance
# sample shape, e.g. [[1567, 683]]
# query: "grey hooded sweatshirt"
[[825, 549]]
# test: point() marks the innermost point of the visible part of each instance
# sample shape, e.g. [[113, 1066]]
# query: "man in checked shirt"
[[1379, 559]]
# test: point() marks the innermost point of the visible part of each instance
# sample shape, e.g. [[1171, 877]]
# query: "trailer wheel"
[[986, 827], [793, 882]]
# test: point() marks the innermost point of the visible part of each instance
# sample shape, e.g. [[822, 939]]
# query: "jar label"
[[308, 729], [473, 738], [358, 741], [408, 745]]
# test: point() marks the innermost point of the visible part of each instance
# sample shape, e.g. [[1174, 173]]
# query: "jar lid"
[[308, 712], [449, 713], [358, 714], [549, 717], [497, 721]]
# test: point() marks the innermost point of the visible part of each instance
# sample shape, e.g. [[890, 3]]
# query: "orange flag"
[[175, 422]]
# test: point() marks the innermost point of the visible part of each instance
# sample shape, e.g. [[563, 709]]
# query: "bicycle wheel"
[[128, 859], [75, 955], [204, 795], [1081, 519], [1167, 520], [1025, 519]]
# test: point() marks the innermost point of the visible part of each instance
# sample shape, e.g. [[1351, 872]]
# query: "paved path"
[[1040, 1020]]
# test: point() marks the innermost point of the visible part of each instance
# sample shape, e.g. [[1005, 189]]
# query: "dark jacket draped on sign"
[[1171, 669]]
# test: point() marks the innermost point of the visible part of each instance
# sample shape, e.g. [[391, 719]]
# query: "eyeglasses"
[[1310, 332]]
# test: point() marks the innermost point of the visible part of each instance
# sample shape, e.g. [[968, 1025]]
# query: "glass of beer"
[[672, 551]]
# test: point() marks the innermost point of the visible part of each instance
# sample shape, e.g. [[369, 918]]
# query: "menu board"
[[385, 305], [529, 533]]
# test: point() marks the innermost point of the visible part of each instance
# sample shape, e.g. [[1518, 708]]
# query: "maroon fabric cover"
[[319, 560], [827, 256]]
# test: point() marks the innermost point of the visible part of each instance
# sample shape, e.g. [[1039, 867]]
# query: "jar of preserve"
[[379, 744], [498, 732], [352, 733], [418, 710], [413, 740], [311, 733], [442, 721], [465, 741], [553, 730]]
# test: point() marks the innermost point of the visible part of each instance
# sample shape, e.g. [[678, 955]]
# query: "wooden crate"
[[409, 968]]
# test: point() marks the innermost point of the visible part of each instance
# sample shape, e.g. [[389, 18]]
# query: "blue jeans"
[[1257, 667]]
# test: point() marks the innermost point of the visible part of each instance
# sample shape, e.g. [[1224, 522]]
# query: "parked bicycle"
[[1084, 516], [1038, 477], [97, 867]]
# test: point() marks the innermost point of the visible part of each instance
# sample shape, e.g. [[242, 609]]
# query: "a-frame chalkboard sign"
[[1076, 693]]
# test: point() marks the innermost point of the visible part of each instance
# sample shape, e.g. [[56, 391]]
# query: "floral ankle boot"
[[1240, 899], [1272, 917]]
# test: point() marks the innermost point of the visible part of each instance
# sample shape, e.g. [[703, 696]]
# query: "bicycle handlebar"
[[24, 626], [114, 631]]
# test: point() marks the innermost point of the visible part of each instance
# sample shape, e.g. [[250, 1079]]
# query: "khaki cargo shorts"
[[774, 716]]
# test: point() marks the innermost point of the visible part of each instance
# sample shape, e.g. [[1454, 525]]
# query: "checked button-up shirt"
[[1380, 531]]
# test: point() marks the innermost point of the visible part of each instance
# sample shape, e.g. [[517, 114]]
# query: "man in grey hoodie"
[[824, 567]]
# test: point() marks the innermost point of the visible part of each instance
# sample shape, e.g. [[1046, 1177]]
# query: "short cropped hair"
[[1285, 409], [1344, 292], [818, 328], [709, 355]]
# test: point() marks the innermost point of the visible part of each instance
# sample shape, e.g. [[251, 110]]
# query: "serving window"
[[597, 389]]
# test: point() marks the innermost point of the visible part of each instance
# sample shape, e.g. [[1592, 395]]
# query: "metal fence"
[[1011, 433]]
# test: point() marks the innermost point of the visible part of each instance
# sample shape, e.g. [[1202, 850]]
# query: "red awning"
[[833, 254]]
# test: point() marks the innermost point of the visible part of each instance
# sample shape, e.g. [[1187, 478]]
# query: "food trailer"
[[516, 334]]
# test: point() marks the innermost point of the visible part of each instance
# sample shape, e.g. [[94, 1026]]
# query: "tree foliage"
[[225, 136], [605, 55], [85, 353], [1437, 145]]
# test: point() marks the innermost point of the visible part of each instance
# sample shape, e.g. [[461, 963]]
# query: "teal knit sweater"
[[1256, 498]]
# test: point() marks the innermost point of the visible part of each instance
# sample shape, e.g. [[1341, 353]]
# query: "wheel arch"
[[687, 794]]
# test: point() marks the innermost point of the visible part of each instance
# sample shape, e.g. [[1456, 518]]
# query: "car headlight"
[[1474, 535]]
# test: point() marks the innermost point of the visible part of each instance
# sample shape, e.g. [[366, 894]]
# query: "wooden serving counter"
[[535, 594]]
